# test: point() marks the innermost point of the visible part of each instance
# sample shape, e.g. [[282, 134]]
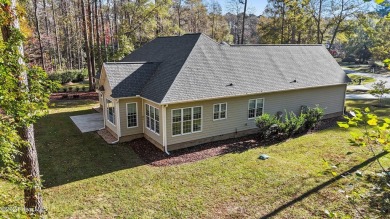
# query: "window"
[[132, 120], [152, 118], [220, 111], [110, 111], [255, 108], [186, 120]]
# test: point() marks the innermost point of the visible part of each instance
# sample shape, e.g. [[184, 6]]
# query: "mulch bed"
[[75, 96], [155, 157]]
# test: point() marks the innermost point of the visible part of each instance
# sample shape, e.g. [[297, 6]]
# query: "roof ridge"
[[137, 62], [184, 64], [237, 45]]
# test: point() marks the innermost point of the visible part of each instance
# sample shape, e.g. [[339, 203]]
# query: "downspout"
[[164, 128]]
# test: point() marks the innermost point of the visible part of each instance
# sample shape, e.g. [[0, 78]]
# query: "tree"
[[25, 95], [373, 134], [379, 89]]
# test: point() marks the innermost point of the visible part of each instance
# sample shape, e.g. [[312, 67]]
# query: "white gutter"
[[164, 127]]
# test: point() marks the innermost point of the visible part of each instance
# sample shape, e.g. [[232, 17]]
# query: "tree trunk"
[[319, 39], [340, 19], [38, 33], [56, 36], [283, 12], [99, 58], [91, 44], [103, 31], [86, 44], [243, 24], [46, 21], [32, 194]]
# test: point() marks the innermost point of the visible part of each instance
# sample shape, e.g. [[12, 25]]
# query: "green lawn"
[[87, 178]]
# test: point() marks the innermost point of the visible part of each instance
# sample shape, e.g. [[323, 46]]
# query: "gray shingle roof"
[[128, 79], [194, 67]]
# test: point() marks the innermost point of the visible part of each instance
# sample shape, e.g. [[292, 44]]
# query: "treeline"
[[78, 34]]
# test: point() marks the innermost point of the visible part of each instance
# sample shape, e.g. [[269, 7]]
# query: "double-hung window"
[[220, 111], [152, 118], [132, 120], [186, 120], [110, 111], [255, 108]]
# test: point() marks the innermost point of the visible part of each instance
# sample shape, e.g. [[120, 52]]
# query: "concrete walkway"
[[88, 122]]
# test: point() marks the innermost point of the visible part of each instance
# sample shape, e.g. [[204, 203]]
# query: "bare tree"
[[38, 33]]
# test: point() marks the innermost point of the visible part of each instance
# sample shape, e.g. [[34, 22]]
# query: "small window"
[[186, 120], [219, 111], [110, 111], [152, 118], [132, 115], [255, 108]]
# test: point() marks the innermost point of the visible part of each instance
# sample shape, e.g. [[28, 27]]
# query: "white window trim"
[[262, 112], [192, 120], [107, 114], [146, 118], [219, 114], [127, 115]]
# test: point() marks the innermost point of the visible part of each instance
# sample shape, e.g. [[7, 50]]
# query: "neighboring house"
[[186, 90]]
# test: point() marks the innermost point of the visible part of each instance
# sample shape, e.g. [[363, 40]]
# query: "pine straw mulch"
[[151, 155], [75, 96]]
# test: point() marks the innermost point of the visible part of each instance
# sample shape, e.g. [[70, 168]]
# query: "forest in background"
[[80, 34]]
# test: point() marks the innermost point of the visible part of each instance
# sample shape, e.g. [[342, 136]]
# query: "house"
[[186, 90]]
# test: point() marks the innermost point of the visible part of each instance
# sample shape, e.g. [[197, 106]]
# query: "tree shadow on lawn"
[[322, 185], [67, 155]]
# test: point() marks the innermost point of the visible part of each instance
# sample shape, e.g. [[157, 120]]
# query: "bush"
[[276, 128], [64, 89], [84, 88], [64, 77], [70, 89], [77, 89], [264, 123]]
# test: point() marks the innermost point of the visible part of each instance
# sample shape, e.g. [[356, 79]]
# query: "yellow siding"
[[123, 115], [330, 98]]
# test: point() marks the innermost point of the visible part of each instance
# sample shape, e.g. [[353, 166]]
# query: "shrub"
[[64, 89], [264, 123], [77, 89], [274, 127], [70, 89], [84, 88], [312, 116], [67, 76]]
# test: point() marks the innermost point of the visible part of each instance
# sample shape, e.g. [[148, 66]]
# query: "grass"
[[355, 79], [87, 178]]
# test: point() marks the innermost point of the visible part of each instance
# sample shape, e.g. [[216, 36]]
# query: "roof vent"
[[229, 85], [294, 81]]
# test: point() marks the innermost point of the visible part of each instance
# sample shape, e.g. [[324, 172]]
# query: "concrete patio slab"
[[88, 122]]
